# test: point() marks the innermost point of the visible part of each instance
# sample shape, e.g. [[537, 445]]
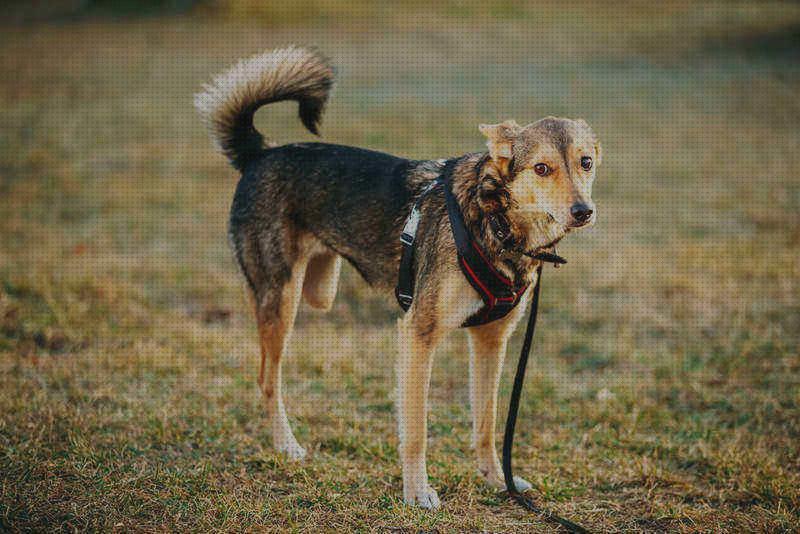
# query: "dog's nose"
[[581, 212]]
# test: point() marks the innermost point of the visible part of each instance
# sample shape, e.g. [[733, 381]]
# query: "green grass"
[[665, 388]]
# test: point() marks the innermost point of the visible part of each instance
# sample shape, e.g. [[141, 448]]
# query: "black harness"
[[500, 295]]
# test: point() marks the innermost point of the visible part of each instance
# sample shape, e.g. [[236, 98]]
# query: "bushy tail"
[[228, 104]]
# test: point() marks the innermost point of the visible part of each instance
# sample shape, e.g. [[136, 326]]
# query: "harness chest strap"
[[499, 294]]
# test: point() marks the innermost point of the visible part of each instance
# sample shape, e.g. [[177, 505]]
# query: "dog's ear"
[[500, 140]]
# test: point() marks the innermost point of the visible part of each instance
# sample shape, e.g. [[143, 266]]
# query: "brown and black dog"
[[300, 208]]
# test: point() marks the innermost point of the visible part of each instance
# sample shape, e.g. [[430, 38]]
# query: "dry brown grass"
[[128, 356]]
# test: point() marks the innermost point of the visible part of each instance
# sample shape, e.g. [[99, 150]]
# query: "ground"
[[664, 389]]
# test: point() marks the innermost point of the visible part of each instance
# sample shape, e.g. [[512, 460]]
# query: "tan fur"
[[276, 330], [567, 184], [500, 142], [321, 280], [414, 361]]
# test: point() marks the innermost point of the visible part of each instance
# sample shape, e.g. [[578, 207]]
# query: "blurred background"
[[664, 389]]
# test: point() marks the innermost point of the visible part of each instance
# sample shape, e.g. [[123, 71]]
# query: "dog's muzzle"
[[580, 215]]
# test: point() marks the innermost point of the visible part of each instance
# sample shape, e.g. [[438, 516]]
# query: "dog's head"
[[548, 168]]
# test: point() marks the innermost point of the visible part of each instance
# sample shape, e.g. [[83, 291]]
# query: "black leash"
[[511, 422]]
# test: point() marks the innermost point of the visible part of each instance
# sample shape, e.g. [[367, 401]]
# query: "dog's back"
[[352, 200]]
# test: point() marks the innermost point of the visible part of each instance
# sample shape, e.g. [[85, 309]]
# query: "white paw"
[[292, 450], [521, 484], [424, 498], [498, 481]]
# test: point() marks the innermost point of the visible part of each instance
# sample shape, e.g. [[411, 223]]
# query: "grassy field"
[[664, 393]]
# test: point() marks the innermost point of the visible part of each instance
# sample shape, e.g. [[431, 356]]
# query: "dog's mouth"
[[579, 225], [545, 230], [564, 225]]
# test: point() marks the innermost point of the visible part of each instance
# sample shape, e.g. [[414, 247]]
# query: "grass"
[[665, 389]]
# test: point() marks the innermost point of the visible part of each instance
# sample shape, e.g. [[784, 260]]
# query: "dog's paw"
[[521, 484], [292, 450], [425, 498], [498, 481]]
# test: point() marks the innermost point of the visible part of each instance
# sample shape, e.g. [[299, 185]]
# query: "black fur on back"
[[353, 200]]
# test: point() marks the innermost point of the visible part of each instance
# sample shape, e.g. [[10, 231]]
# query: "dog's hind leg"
[[321, 280], [488, 345], [274, 263], [276, 314]]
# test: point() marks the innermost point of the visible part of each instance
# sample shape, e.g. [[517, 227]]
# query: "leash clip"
[[550, 257], [557, 265]]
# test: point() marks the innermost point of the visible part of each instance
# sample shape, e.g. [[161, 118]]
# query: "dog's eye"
[[541, 169], [586, 163]]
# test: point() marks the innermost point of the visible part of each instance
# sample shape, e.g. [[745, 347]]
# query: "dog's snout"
[[581, 212]]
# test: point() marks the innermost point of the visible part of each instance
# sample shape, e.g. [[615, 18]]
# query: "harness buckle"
[[410, 228], [405, 299]]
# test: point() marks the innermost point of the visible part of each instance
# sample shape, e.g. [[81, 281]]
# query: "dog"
[[300, 208]]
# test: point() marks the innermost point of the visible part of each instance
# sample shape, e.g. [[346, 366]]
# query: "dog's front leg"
[[413, 378], [488, 345]]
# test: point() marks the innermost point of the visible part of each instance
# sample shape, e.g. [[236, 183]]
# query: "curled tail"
[[228, 104]]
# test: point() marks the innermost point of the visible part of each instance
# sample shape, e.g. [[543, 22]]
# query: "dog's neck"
[[481, 192]]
